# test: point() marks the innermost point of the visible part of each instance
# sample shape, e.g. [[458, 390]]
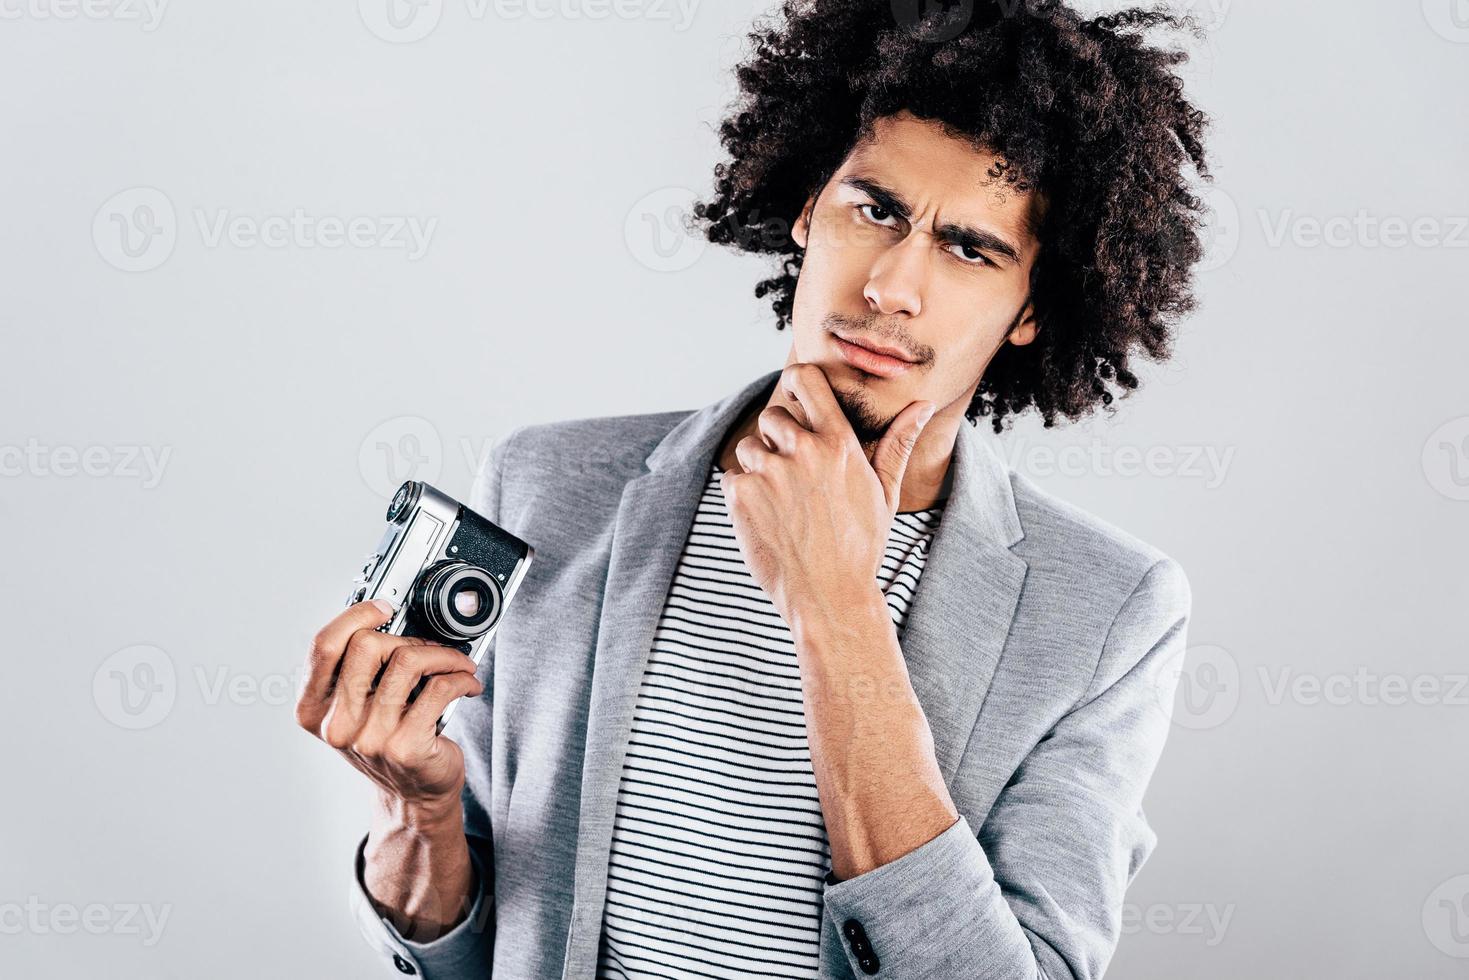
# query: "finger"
[[327, 648], [406, 665], [895, 448], [808, 385], [423, 714], [797, 412], [752, 454], [780, 428], [367, 653]]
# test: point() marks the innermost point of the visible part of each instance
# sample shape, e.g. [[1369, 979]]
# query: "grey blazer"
[[1043, 644]]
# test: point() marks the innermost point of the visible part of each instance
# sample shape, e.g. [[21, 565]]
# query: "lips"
[[892, 352], [863, 358]]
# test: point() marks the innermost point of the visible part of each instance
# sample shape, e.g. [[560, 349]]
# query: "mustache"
[[870, 326]]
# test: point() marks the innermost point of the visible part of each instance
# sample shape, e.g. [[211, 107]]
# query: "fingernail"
[[385, 606]]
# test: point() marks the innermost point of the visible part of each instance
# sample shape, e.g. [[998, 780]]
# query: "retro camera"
[[449, 572]]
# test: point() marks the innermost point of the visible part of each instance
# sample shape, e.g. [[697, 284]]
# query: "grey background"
[[292, 385]]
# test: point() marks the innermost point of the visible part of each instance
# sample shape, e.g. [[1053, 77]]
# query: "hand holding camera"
[[356, 699], [383, 678], [385, 674]]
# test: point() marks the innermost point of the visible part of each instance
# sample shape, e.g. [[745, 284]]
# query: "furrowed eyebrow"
[[976, 238]]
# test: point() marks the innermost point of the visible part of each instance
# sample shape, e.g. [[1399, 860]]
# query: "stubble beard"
[[868, 424]]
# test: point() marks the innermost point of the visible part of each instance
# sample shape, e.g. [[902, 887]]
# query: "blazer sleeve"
[[467, 949], [1038, 892]]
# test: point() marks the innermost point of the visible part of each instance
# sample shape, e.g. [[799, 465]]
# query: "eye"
[[963, 254], [878, 209]]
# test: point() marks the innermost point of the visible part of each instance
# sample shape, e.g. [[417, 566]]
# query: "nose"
[[895, 284]]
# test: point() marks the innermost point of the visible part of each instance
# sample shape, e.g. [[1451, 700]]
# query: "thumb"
[[890, 458]]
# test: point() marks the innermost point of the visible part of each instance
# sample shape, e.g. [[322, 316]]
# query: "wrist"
[[417, 870], [822, 618], [442, 816]]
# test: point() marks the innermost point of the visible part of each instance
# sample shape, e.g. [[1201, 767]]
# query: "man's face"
[[890, 261]]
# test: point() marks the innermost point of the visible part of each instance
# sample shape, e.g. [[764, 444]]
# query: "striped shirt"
[[718, 844]]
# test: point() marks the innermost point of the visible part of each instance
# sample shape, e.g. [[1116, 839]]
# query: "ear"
[[801, 231], [1026, 329]]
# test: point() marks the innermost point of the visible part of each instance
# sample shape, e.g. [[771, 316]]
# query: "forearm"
[[910, 870], [417, 868], [881, 790]]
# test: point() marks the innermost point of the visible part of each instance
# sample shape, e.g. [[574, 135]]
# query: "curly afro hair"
[[1083, 110]]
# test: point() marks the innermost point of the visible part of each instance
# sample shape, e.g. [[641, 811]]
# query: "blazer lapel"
[[961, 611], [653, 521]]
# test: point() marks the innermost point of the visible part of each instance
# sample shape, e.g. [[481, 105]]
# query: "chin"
[[869, 416]]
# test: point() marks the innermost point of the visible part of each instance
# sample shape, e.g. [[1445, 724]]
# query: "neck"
[[926, 481]]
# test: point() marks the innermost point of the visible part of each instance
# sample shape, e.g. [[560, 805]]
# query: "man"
[[806, 682]]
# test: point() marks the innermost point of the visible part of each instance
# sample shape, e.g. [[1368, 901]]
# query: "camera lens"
[[467, 604], [403, 501], [459, 600]]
